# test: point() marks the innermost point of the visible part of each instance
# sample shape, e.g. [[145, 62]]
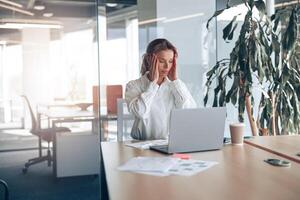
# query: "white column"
[[36, 76], [132, 68], [270, 6]]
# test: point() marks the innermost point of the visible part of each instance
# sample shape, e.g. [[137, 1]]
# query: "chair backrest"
[[34, 125], [113, 92], [96, 98], [6, 194]]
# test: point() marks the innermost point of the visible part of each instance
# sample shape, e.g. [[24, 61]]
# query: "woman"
[[152, 97]]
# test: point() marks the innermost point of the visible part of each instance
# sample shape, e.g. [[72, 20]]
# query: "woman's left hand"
[[173, 72]]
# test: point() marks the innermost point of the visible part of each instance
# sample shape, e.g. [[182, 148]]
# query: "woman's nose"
[[166, 65]]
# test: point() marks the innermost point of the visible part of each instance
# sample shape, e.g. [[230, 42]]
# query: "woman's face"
[[165, 62]]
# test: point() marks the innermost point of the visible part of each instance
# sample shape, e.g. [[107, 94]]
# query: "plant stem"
[[250, 117], [273, 114]]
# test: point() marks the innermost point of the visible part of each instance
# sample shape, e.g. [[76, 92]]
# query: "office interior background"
[[64, 54]]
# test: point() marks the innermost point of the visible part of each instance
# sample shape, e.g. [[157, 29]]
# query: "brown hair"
[[155, 46]]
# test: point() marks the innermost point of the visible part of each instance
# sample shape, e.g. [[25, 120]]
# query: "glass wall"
[[119, 63], [49, 54]]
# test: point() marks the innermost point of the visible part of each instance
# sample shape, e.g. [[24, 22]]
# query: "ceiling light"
[[149, 21], [39, 6], [22, 26], [286, 4], [111, 4], [11, 3], [48, 14], [183, 17], [23, 23], [16, 9]]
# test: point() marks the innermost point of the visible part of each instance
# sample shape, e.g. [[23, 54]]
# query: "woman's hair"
[[155, 46]]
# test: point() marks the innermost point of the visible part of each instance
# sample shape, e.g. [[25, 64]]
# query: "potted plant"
[[280, 113], [250, 65]]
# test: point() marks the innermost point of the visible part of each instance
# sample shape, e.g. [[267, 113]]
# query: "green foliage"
[[251, 61]]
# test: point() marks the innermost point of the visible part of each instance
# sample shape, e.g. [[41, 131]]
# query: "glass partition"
[[119, 63], [49, 55]]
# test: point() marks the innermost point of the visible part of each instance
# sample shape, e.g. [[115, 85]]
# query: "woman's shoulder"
[[137, 82]]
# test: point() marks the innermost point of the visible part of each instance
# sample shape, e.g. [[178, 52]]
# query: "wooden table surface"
[[286, 146], [240, 174]]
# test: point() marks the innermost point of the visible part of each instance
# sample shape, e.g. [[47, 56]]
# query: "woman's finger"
[[156, 74]]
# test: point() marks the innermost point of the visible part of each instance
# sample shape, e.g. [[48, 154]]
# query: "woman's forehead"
[[165, 54]]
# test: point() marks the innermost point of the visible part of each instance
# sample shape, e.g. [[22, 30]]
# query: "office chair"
[[6, 192], [47, 134], [113, 92]]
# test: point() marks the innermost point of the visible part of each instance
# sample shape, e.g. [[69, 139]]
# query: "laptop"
[[192, 130]]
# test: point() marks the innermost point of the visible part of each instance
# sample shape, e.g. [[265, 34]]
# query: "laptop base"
[[161, 148]]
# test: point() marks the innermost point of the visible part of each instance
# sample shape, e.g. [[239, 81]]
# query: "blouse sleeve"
[[139, 101], [183, 98]]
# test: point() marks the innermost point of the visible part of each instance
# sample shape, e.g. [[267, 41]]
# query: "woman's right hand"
[[154, 73]]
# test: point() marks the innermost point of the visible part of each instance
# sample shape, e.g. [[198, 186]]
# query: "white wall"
[[183, 23]]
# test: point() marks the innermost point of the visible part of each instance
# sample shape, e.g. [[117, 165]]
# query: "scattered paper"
[[149, 164], [190, 167], [166, 166], [147, 144]]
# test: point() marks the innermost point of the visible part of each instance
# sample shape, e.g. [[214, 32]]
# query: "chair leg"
[[49, 157], [33, 161], [6, 191]]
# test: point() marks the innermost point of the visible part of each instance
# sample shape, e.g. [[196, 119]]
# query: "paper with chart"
[[147, 144], [166, 166], [190, 167]]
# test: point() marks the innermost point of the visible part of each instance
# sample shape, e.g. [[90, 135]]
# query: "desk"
[[286, 146], [74, 154], [240, 169], [65, 115]]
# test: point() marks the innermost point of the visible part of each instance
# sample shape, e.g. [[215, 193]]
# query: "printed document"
[[147, 144], [149, 164], [166, 166]]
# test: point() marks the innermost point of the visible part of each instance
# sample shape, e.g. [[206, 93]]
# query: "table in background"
[[240, 174], [74, 154], [286, 146], [55, 117]]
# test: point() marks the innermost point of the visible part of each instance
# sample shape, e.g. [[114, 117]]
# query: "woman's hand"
[[173, 72], [154, 73]]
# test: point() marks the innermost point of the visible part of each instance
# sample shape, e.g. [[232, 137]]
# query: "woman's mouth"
[[165, 72]]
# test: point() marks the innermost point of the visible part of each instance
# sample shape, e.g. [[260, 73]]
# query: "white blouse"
[[151, 105]]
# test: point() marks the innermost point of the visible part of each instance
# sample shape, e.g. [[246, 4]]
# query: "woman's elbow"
[[140, 113]]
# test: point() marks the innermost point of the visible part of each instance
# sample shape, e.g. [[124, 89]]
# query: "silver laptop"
[[198, 129]]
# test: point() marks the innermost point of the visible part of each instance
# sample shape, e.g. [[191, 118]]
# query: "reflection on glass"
[[51, 57], [119, 63]]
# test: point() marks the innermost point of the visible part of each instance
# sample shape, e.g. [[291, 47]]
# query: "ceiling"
[[73, 14], [76, 14]]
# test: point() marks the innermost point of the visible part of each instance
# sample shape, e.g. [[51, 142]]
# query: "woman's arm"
[[138, 101], [183, 98]]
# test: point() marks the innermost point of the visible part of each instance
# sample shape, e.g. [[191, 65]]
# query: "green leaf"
[[230, 36], [218, 12], [289, 37], [285, 74], [276, 22], [215, 103], [227, 29], [251, 3], [261, 7], [205, 99]]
